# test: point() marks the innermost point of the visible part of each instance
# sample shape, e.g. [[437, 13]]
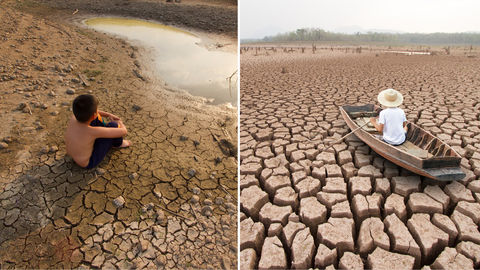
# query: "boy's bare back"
[[80, 137], [79, 141]]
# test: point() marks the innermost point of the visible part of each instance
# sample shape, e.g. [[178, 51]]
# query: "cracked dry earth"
[[168, 201], [348, 207]]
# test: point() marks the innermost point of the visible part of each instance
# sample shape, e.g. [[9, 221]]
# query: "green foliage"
[[316, 34]]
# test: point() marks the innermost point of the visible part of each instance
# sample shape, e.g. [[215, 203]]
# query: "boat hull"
[[401, 158]]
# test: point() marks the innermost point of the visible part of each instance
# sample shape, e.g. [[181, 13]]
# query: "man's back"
[[392, 119]]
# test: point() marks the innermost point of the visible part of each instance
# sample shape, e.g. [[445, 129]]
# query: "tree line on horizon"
[[317, 34]]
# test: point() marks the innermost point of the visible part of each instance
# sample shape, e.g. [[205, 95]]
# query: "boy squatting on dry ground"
[[88, 139], [391, 121]]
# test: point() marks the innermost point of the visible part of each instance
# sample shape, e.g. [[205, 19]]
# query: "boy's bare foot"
[[125, 143]]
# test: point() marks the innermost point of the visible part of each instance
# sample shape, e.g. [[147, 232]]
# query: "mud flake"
[[350, 260], [11, 216], [286, 196], [102, 219], [303, 248], [403, 241], [360, 185], [382, 259], [252, 200], [325, 256], [308, 187], [395, 204], [470, 209], [451, 259], [248, 258], [429, 237], [404, 185], [337, 232], [273, 255], [272, 213], [312, 212], [335, 185], [470, 250], [372, 235], [467, 229], [422, 203], [458, 192], [290, 230]]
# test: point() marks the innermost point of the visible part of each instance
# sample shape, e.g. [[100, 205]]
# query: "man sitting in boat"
[[391, 122]]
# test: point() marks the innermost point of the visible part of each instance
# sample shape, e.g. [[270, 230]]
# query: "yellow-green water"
[[178, 59]]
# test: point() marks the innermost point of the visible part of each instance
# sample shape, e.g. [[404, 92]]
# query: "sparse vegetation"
[[84, 33], [92, 72], [316, 34], [104, 59]]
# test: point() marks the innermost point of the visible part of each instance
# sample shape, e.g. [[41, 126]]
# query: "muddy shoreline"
[[215, 19], [147, 63]]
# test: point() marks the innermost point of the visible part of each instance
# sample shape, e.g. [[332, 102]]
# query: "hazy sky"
[[259, 18]]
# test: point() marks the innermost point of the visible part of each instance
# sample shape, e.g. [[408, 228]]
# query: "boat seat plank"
[[354, 115], [413, 149]]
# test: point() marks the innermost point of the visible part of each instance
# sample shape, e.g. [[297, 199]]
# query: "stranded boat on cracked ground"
[[421, 153]]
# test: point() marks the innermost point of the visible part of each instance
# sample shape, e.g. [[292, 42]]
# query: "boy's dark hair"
[[84, 106]]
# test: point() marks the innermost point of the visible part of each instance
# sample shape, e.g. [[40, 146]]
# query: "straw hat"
[[390, 98]]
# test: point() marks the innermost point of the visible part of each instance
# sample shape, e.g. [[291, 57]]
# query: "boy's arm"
[[121, 125], [104, 132], [109, 115], [102, 113]]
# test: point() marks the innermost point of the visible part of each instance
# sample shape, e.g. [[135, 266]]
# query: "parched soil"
[[168, 201], [348, 207]]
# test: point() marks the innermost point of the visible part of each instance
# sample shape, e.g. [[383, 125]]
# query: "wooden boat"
[[421, 153]]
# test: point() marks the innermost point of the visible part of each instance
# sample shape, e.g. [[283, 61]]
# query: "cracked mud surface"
[[348, 207], [168, 201]]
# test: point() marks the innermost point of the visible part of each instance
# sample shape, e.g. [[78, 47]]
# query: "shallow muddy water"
[[178, 59]]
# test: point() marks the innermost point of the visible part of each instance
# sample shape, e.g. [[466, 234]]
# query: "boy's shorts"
[[102, 145]]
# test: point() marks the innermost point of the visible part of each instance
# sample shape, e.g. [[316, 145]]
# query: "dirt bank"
[[57, 215], [215, 17], [348, 207]]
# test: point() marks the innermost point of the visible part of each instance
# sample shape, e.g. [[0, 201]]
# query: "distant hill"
[[317, 34]]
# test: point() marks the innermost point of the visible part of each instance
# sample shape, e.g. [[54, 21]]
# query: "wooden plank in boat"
[[362, 114], [412, 149]]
